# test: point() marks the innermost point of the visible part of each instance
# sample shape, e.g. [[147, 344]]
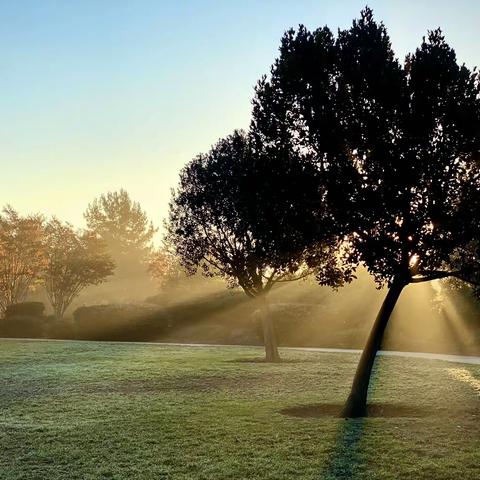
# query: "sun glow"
[[414, 259]]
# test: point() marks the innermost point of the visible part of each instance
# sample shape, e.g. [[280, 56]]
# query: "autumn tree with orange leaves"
[[22, 255]]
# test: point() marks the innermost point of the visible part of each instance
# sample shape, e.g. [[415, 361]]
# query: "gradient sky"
[[103, 94]]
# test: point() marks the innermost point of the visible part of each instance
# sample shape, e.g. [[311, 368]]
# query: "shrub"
[[23, 326], [33, 309], [59, 328], [24, 320], [112, 322]]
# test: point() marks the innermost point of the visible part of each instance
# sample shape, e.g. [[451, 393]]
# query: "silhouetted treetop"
[[414, 136], [212, 221], [398, 142]]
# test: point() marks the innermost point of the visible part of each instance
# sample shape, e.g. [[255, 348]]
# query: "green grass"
[[80, 410]]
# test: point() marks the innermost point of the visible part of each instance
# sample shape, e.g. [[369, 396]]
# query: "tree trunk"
[[269, 334], [58, 312], [356, 405]]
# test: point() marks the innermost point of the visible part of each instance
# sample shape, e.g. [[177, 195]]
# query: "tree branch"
[[438, 274]]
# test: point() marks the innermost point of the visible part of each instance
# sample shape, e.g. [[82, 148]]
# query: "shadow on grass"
[[262, 360], [379, 410], [346, 457]]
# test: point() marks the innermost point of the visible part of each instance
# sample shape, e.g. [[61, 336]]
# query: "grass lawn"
[[84, 410]]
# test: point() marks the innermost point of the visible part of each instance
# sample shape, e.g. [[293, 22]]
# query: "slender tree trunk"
[[356, 405], [58, 312], [269, 334]]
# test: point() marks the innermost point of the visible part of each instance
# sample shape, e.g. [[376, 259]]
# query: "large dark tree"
[[414, 133], [301, 171], [216, 223], [396, 147], [307, 179]]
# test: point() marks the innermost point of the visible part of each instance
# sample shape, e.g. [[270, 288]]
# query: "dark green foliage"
[[27, 320], [212, 219], [300, 156], [234, 215], [215, 318], [392, 148], [114, 321], [34, 309], [24, 319], [414, 132], [399, 142], [62, 328], [23, 326]]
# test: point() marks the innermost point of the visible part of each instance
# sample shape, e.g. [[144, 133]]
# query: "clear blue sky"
[[102, 94]]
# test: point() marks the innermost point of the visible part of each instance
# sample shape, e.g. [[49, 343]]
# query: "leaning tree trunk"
[[356, 405], [269, 334]]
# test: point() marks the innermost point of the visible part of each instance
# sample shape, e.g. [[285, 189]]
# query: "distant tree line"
[[352, 158], [36, 252]]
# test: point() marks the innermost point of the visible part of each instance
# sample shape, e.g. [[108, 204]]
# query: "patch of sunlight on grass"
[[463, 375]]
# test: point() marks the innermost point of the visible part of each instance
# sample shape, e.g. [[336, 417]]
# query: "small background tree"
[[73, 262], [22, 255], [128, 235]]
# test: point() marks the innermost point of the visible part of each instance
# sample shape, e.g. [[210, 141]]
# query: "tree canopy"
[[216, 223], [73, 261], [122, 224], [22, 255], [413, 133]]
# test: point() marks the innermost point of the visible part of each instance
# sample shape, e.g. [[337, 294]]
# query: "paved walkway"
[[473, 360]]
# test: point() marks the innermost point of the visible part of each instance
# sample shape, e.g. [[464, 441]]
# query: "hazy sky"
[[102, 94]]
